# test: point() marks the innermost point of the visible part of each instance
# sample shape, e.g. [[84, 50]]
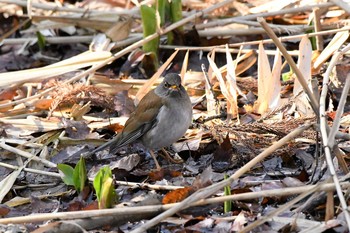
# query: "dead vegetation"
[[268, 81]]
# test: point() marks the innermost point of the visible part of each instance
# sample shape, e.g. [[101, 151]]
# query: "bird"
[[162, 117]]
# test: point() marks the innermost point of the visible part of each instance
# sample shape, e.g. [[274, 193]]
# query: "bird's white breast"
[[172, 123]]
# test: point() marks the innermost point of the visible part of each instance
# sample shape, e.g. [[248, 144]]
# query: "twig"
[[203, 193], [50, 40], [26, 154], [318, 28], [339, 113], [219, 49], [254, 16], [128, 41], [329, 206], [278, 210], [249, 31], [71, 39], [286, 38], [31, 170], [21, 142], [148, 186], [324, 128], [256, 42], [326, 78], [130, 210], [34, 186], [54, 7], [238, 20]]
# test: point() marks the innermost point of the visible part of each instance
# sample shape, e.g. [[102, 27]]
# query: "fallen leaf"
[[4, 210], [177, 195], [337, 41], [162, 174], [127, 163]]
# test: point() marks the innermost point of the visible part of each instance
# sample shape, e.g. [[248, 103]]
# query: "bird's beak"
[[174, 87]]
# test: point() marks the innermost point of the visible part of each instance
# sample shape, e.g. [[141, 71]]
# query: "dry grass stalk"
[[130, 210]]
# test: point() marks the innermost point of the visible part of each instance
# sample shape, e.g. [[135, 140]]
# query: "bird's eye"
[[166, 85]]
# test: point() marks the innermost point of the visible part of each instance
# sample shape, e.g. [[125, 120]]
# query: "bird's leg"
[[169, 158], [155, 160]]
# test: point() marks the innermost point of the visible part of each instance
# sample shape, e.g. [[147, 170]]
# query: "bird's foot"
[[169, 158], [155, 160]]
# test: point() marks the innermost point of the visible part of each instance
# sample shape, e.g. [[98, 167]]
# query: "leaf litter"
[[64, 98]]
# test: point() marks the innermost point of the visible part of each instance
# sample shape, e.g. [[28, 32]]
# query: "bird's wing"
[[140, 121]]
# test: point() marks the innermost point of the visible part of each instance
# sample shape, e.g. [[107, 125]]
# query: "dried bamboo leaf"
[[264, 74], [223, 88], [80, 61], [337, 41], [274, 97], [231, 81], [304, 65], [7, 183]]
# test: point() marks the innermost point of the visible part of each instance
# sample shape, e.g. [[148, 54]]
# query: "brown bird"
[[160, 119]]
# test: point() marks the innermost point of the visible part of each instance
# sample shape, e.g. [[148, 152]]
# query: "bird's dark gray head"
[[171, 86]]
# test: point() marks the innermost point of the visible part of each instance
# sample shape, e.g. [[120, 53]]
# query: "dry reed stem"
[[54, 7], [130, 210], [223, 22], [285, 38], [328, 142], [26, 155]]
